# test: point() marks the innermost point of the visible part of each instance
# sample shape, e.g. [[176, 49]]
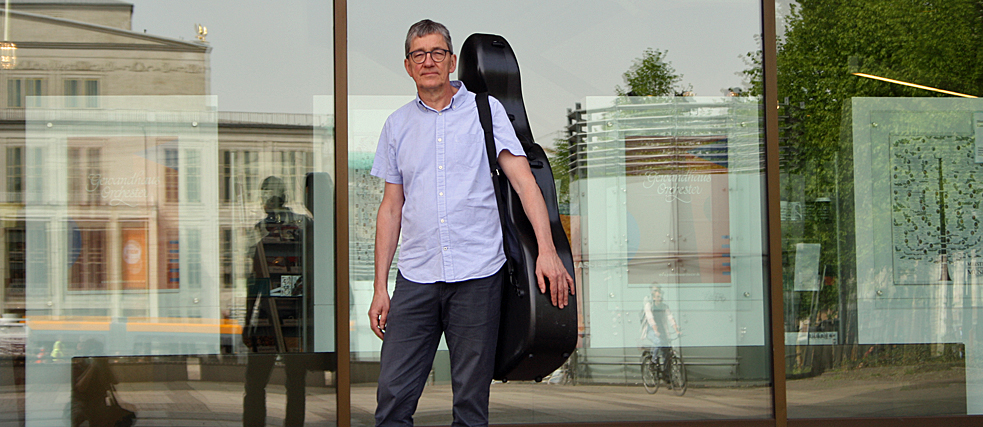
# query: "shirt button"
[[440, 114], [440, 139], [445, 248], [441, 167], [441, 220], [441, 193]]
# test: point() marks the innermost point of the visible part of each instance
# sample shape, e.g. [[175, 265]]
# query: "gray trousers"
[[467, 313]]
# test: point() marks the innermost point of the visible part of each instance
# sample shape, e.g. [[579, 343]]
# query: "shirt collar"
[[458, 100]]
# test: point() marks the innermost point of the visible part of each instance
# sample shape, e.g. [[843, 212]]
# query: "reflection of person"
[[656, 318], [801, 341], [277, 272], [92, 384], [438, 193], [277, 256], [58, 353], [258, 369]]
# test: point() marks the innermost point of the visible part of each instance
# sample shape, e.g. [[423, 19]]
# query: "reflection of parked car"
[[13, 336]]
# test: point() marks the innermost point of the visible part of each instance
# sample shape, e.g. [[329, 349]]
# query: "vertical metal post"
[[769, 54], [6, 20], [342, 342]]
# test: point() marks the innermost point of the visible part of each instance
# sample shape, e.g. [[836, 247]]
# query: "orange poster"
[[134, 258]]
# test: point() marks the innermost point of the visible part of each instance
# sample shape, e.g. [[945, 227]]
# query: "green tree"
[[929, 42], [650, 75], [559, 158]]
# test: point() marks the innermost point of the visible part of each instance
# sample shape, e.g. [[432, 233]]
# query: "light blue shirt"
[[451, 230]]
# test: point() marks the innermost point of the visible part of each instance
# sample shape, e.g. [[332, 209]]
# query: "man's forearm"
[[539, 218], [534, 205], [520, 176], [386, 239]]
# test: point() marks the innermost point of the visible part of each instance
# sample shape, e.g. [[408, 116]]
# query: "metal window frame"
[[342, 338]]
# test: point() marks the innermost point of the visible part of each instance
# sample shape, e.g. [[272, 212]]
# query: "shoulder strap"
[[485, 117]]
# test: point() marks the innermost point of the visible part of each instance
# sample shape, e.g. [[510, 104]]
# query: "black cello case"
[[535, 337]]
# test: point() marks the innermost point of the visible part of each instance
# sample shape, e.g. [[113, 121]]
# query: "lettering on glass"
[[678, 204], [677, 187], [121, 191]]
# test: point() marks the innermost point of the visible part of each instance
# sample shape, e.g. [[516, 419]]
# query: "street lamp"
[[8, 50]]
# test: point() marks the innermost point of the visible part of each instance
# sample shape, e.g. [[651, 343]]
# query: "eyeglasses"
[[438, 55]]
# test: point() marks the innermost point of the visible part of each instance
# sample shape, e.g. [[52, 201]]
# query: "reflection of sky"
[[266, 56], [274, 56]]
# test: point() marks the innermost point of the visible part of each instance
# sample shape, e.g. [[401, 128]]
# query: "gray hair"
[[425, 28]]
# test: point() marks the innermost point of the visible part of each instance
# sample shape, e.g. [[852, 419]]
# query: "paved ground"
[[867, 392], [529, 403], [220, 404], [881, 391]]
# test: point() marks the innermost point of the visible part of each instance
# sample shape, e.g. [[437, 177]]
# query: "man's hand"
[[386, 237], [550, 269], [379, 313]]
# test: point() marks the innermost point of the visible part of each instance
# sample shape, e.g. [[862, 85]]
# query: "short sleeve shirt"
[[450, 226]]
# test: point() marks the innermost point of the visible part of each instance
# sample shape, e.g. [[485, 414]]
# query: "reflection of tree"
[[651, 75], [933, 43], [559, 158]]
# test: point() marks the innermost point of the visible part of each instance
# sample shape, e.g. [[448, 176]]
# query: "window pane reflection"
[[653, 190], [133, 214], [880, 210]]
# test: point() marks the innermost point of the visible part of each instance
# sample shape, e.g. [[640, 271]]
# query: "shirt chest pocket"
[[465, 151]]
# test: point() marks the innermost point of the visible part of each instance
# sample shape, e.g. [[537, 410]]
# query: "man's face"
[[430, 74], [656, 296]]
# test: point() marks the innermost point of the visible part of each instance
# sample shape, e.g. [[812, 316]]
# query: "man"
[[655, 329], [439, 193]]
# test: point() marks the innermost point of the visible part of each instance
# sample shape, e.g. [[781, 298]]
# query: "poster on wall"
[[917, 217], [678, 210], [935, 228], [134, 257], [134, 177], [807, 266]]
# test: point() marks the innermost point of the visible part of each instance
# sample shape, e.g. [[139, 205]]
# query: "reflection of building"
[[675, 170], [128, 193], [83, 51]]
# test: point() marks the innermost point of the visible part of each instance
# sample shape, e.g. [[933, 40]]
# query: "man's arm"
[[548, 264], [672, 320], [386, 237], [650, 319]]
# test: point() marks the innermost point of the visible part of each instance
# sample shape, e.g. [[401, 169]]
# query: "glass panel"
[[880, 209], [169, 247], [653, 190]]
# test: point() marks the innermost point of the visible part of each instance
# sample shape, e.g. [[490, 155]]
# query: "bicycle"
[[654, 373], [566, 374], [575, 372]]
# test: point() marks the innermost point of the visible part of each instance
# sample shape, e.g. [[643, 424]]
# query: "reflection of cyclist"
[[656, 317]]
